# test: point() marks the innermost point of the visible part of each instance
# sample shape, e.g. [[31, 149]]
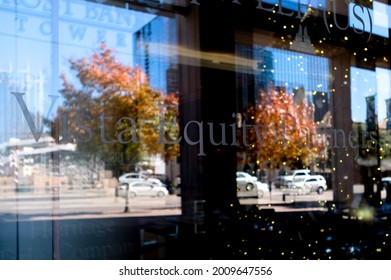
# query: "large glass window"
[[152, 130]]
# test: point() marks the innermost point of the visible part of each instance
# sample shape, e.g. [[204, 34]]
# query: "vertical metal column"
[[55, 155], [342, 159]]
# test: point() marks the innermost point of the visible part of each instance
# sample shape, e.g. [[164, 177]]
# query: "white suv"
[[295, 176], [137, 177], [312, 183]]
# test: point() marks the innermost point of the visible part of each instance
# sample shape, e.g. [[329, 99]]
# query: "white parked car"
[[138, 188], [249, 186], [295, 176], [311, 183], [139, 177]]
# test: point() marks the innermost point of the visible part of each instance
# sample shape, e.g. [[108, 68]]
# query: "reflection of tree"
[[115, 112], [283, 132], [170, 129]]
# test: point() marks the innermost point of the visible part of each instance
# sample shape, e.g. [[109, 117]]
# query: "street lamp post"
[[127, 201], [378, 173], [15, 164]]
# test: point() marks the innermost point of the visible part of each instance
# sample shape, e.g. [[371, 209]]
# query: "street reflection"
[[83, 204], [103, 203], [100, 203]]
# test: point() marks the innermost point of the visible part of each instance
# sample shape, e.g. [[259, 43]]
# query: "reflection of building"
[[264, 76], [244, 77], [321, 103], [172, 79], [388, 113], [37, 167], [304, 75], [294, 69], [298, 95], [13, 124], [154, 51], [302, 42]]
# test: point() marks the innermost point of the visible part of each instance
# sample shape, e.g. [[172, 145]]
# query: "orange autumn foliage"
[[287, 134]]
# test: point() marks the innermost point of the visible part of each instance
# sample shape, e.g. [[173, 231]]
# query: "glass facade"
[[194, 129]]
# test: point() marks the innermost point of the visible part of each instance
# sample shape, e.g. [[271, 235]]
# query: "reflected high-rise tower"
[[302, 74], [254, 73], [264, 72], [155, 51]]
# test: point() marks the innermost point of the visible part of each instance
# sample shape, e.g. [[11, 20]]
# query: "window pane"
[[152, 130]]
